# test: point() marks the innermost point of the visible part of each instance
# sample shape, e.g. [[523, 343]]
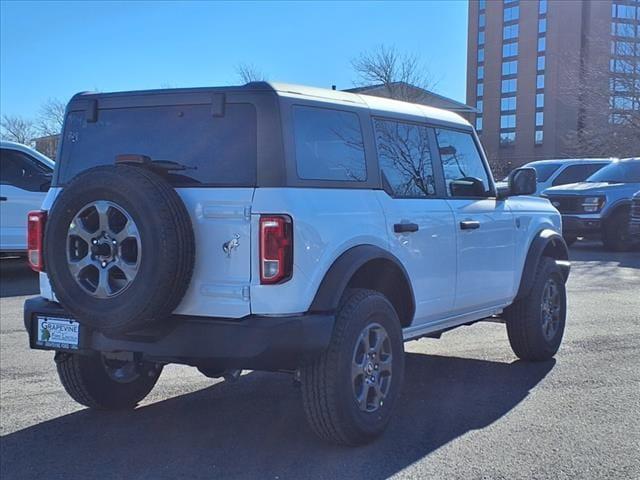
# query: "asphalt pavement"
[[469, 408]]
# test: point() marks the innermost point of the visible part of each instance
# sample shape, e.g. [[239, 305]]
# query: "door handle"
[[405, 227], [3, 199], [469, 225]]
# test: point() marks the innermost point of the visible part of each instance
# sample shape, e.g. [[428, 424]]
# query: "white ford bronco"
[[281, 228]]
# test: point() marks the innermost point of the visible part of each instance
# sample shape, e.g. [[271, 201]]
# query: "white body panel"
[[485, 255], [13, 216], [428, 255], [326, 223], [16, 202]]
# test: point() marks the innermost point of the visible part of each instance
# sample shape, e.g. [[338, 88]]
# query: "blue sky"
[[55, 49]]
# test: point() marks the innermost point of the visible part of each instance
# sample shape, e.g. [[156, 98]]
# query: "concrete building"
[[542, 72]]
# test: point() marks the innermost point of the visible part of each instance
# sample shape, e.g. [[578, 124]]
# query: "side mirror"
[[467, 187], [523, 181]]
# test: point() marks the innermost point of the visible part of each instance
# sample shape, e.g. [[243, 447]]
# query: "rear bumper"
[[581, 224], [259, 343]]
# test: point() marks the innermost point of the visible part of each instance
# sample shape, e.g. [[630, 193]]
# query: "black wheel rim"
[[103, 249], [551, 306], [371, 368]]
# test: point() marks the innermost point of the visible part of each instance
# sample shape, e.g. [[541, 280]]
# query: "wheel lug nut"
[[94, 241], [376, 366], [104, 264], [114, 242]]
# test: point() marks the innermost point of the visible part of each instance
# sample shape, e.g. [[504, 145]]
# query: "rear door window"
[[216, 150], [22, 171], [405, 158], [328, 145]]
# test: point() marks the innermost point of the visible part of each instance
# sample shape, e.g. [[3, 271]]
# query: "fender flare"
[[544, 240], [337, 277]]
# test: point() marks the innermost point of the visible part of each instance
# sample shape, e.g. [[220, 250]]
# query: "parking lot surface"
[[468, 410]]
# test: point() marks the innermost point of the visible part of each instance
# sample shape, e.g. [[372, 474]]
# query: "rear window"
[[217, 150], [329, 145]]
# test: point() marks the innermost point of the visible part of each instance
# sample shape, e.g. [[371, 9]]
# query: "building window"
[[625, 49], [480, 73], [622, 103], [539, 100], [479, 106], [539, 119], [539, 81], [508, 104], [623, 30], [541, 62], [481, 20], [510, 68], [508, 121], [623, 11], [507, 138], [482, 4], [479, 123], [510, 14], [509, 86], [542, 25], [480, 89], [480, 55], [510, 31], [481, 37], [509, 1], [621, 66], [542, 7], [542, 44], [539, 137], [510, 49]]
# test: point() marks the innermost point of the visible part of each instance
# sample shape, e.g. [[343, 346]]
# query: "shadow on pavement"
[[593, 251], [256, 428], [16, 278]]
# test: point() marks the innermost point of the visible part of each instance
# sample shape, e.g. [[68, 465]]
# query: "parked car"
[[599, 205], [279, 227], [551, 173], [634, 218], [25, 175]]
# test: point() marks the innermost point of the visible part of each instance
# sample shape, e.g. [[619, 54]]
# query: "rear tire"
[[101, 384], [616, 235], [535, 323], [350, 390]]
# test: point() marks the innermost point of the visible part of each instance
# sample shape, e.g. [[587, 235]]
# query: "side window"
[[329, 145], [405, 158], [464, 171], [575, 173], [19, 170]]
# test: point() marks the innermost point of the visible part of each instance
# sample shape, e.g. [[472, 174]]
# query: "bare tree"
[[17, 129], [608, 107], [51, 117], [249, 73], [397, 72]]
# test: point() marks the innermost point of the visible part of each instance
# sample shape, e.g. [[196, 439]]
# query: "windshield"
[[618, 172], [545, 170]]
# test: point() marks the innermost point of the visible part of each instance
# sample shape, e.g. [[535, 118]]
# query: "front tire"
[[350, 390], [102, 384], [535, 323]]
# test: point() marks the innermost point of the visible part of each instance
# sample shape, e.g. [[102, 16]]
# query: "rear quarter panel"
[[326, 223]]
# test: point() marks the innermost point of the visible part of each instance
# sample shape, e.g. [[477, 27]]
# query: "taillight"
[[35, 237], [276, 248]]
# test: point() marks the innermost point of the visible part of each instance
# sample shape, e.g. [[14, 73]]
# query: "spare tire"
[[119, 248]]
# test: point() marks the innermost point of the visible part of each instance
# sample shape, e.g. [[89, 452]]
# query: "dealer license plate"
[[55, 332]]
